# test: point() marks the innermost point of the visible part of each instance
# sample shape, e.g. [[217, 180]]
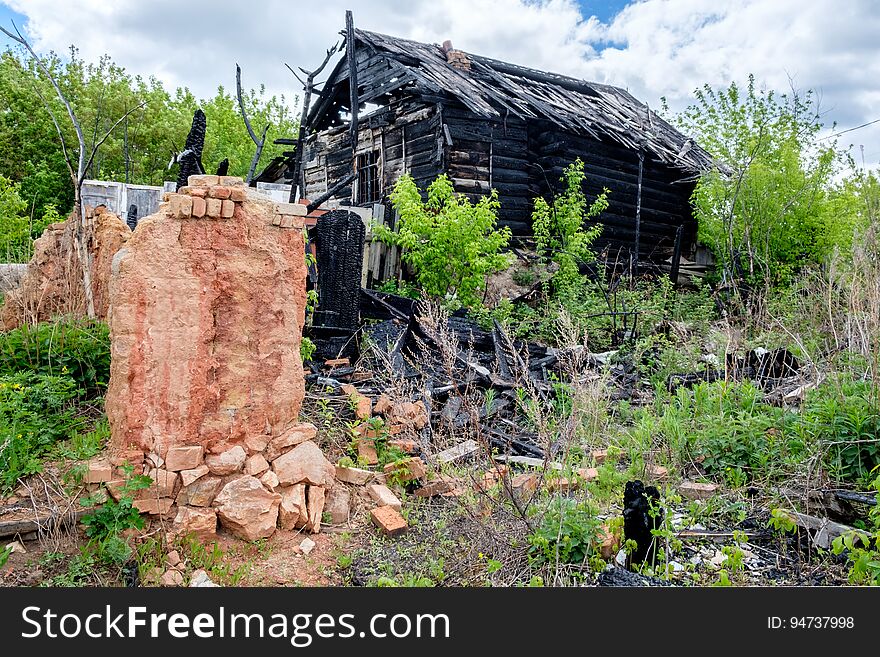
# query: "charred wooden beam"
[[352, 81], [258, 142], [314, 205], [308, 86]]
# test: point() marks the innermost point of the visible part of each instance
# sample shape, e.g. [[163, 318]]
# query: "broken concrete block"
[[693, 490], [388, 520], [184, 458], [458, 452], [383, 496]]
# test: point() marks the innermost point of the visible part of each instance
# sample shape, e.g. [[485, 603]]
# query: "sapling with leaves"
[[452, 244], [561, 235]]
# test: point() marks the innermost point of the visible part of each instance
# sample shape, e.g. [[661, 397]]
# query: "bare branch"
[[48, 107], [295, 74], [112, 128], [18, 38], [247, 123]]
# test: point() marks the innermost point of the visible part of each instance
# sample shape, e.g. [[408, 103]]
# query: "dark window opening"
[[368, 179]]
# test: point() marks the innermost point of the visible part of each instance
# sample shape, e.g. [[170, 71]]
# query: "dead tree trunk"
[[259, 142], [308, 87]]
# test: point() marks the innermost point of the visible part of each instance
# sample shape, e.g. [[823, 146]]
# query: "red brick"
[[199, 207], [227, 209], [406, 445], [367, 451], [219, 192], [588, 474], [414, 469], [388, 520]]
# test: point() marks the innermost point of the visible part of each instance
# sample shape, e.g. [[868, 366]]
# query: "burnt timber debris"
[[190, 158]]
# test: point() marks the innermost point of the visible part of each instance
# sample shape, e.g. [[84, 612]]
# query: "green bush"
[[36, 412], [766, 211], [560, 233], [844, 417], [452, 244], [104, 525], [568, 533], [79, 349]]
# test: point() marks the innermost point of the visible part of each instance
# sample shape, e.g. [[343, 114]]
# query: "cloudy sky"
[[653, 48]]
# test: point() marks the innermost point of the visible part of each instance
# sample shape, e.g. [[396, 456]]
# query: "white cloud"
[[653, 47]]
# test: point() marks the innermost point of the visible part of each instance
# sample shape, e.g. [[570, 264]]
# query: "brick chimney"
[[456, 58]]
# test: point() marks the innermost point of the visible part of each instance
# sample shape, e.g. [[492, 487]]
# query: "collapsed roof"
[[494, 90]]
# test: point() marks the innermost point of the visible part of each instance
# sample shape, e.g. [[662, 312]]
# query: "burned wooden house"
[[426, 109]]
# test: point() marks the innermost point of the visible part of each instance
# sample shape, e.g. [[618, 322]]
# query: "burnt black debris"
[[340, 247], [641, 515], [190, 158]]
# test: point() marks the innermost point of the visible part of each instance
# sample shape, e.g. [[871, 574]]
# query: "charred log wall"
[[665, 197], [406, 136], [483, 155]]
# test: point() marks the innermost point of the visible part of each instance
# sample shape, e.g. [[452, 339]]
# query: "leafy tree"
[[452, 244], [139, 149], [764, 211], [14, 229]]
